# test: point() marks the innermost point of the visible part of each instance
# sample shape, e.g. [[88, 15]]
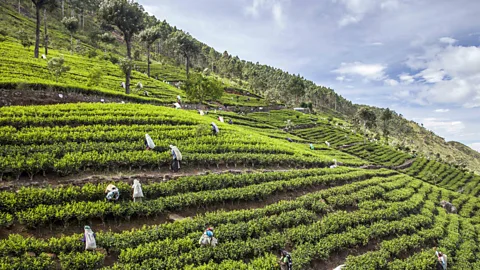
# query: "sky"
[[420, 58]]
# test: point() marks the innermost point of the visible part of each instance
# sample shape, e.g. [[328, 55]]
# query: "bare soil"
[[339, 258], [145, 176], [119, 225], [22, 97]]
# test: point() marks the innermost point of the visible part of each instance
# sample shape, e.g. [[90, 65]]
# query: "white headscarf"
[[177, 152], [215, 127], [137, 189]]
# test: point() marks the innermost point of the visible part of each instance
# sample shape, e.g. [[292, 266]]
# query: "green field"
[[258, 182]]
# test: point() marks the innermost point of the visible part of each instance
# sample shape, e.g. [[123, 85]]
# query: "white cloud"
[[376, 44], [374, 72], [444, 126], [452, 74], [389, 4], [431, 75], [340, 78], [274, 6], [348, 19], [356, 10], [277, 12], [402, 94], [391, 82], [442, 110], [475, 146], [448, 40], [406, 78]]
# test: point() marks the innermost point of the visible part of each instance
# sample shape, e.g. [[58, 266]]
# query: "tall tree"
[[387, 115], [200, 88], [149, 36], [368, 119], [128, 16], [72, 26], [39, 4], [184, 45], [296, 87]]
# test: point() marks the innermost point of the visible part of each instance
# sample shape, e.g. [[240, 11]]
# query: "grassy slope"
[[18, 66], [430, 144], [116, 131]]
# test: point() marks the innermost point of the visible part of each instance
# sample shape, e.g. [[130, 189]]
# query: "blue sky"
[[420, 58]]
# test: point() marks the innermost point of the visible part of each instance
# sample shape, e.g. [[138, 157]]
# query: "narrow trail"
[[138, 222], [405, 165], [339, 257], [145, 176], [347, 145]]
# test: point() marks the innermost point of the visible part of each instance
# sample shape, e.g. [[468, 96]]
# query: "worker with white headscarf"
[[176, 158], [215, 129], [89, 238], [137, 191]]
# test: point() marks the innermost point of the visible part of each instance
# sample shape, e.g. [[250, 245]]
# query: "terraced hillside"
[[71, 138], [445, 176], [382, 219], [26, 73], [258, 182]]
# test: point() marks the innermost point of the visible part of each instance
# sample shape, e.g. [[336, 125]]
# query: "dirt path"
[[120, 225], [339, 258], [348, 145], [405, 165], [128, 176]]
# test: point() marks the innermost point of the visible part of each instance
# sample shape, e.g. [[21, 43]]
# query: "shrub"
[[57, 67], [24, 39], [94, 77], [113, 59], [92, 53]]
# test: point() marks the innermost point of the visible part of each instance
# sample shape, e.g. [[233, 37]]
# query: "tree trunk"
[[63, 9], [71, 43], [148, 61], [83, 19], [129, 70], [187, 64], [46, 33], [37, 32], [364, 132], [18, 6]]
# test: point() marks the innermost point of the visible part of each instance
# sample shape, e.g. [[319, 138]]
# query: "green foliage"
[[57, 67], [183, 44], [128, 16], [71, 24], [367, 117], [107, 38], [387, 115], [201, 88], [113, 59], [150, 35], [22, 35], [92, 53], [296, 87], [126, 65], [94, 77], [83, 260]]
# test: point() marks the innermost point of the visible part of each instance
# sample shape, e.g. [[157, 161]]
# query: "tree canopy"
[[200, 88], [128, 17], [183, 44]]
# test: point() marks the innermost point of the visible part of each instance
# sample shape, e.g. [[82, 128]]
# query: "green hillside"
[[318, 184]]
